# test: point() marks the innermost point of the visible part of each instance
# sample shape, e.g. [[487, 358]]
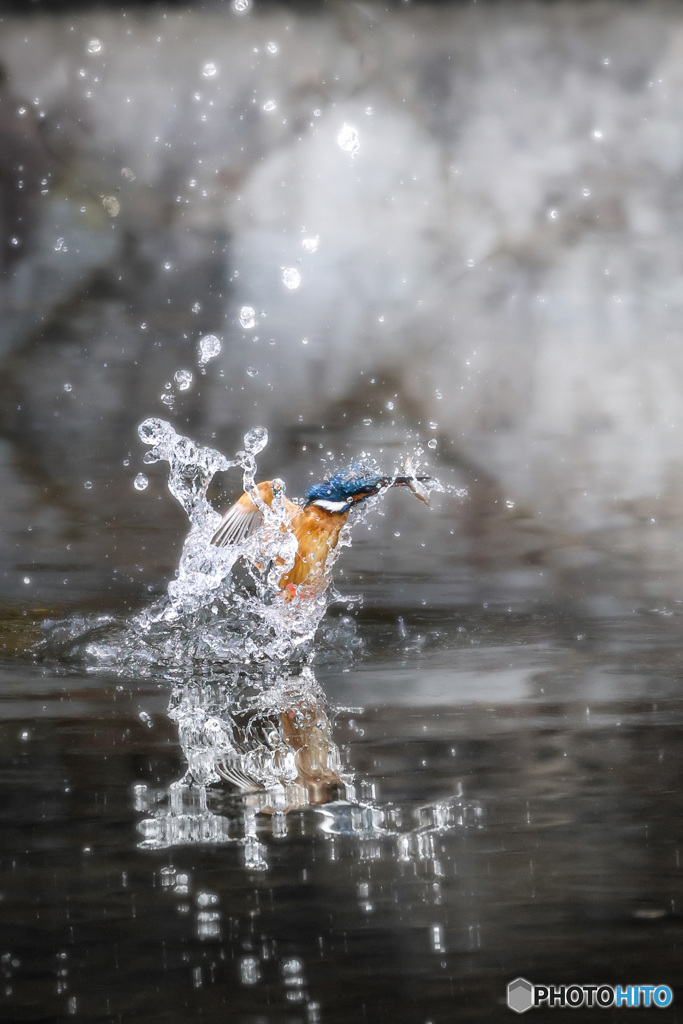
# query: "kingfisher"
[[316, 522]]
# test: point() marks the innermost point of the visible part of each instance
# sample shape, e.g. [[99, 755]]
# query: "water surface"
[[515, 810]]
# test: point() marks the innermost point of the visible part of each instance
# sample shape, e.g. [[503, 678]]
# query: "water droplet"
[[112, 207], [154, 431], [209, 70], [183, 379], [367, 422], [291, 278], [269, 105], [389, 406], [88, 485], [252, 371], [438, 395], [552, 214], [167, 399], [209, 348], [433, 425], [597, 133], [348, 140], [68, 387], [144, 717], [585, 192], [60, 246], [27, 579], [248, 317], [255, 440], [470, 263], [432, 443], [241, 6], [272, 47], [304, 341], [311, 244], [197, 307], [94, 46], [127, 174], [141, 482], [509, 503]]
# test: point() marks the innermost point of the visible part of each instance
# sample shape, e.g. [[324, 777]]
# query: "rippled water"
[[438, 796]]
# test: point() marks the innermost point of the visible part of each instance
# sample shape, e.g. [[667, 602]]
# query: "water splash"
[[225, 607]]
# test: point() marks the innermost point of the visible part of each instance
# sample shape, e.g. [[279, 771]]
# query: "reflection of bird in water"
[[316, 523], [291, 750]]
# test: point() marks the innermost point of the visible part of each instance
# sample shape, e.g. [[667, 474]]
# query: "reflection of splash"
[[269, 739]]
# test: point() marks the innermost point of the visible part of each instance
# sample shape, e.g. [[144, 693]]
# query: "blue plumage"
[[347, 485]]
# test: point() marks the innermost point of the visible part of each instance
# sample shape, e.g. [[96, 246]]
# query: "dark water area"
[[516, 812]]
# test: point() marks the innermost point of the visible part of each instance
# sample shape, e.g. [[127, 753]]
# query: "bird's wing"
[[240, 521]]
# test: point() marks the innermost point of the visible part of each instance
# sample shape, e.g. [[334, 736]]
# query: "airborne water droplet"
[[247, 317], [112, 207], [141, 482], [291, 278], [209, 348], [348, 140], [94, 46], [209, 70], [183, 379], [255, 440]]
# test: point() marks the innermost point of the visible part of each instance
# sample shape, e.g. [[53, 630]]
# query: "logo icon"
[[520, 995]]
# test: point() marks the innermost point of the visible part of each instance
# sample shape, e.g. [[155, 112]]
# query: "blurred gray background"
[[457, 225]]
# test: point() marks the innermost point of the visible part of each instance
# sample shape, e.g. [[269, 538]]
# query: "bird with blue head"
[[316, 522]]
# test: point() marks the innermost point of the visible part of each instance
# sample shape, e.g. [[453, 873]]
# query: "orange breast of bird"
[[317, 533]]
